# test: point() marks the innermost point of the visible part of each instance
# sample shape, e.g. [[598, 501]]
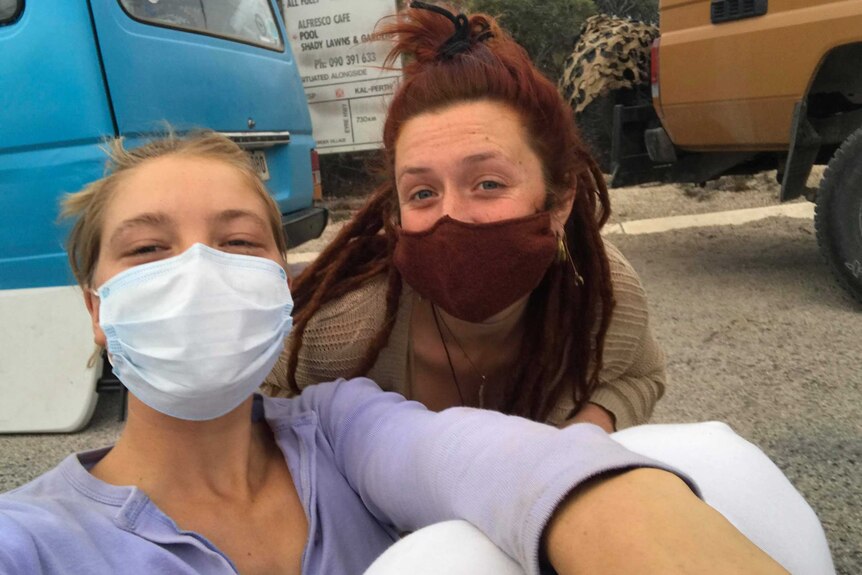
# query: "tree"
[[545, 28]]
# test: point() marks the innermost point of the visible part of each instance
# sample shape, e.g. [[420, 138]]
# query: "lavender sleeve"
[[505, 475]]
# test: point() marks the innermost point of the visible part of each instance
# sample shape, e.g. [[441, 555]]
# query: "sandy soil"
[[726, 193]]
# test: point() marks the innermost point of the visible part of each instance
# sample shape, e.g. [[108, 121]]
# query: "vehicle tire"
[[595, 124], [838, 215]]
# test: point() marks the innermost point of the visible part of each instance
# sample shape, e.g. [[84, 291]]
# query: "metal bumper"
[[304, 225]]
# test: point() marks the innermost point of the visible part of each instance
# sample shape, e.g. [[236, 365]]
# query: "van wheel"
[[838, 215]]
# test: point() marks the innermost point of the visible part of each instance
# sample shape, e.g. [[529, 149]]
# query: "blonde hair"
[[88, 206]]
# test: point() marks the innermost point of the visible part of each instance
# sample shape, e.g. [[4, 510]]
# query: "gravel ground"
[[24, 457], [658, 201], [758, 334]]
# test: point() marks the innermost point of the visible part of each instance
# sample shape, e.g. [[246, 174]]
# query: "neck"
[[224, 457], [496, 328]]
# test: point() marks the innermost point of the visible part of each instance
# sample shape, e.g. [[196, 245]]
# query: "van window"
[[9, 10], [248, 21]]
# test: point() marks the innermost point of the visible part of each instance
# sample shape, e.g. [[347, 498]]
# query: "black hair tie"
[[459, 42]]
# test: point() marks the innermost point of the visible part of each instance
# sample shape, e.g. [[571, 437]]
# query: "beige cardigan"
[[632, 378]]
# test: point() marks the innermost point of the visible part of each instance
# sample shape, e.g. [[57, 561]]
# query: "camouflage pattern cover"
[[610, 53]]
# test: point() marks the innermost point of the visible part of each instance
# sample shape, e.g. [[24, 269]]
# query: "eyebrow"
[[163, 220], [471, 159], [228, 216], [153, 219], [481, 157]]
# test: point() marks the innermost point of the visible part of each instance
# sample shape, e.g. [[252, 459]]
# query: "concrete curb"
[[801, 210]]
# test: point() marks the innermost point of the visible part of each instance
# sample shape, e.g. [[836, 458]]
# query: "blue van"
[[77, 71]]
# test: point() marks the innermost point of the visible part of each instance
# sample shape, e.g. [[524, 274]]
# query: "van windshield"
[[248, 21]]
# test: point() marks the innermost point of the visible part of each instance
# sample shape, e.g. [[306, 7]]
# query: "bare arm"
[[647, 521]]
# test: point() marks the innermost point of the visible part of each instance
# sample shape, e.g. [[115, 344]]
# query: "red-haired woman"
[[476, 274]]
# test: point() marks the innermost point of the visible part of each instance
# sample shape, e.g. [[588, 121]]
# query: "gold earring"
[[563, 254], [561, 248]]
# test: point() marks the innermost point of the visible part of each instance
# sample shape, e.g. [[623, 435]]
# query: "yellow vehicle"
[[738, 86]]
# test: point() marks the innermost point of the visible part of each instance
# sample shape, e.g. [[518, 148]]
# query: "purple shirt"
[[366, 465]]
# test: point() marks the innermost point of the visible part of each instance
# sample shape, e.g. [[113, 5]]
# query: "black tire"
[[596, 123], [838, 215]]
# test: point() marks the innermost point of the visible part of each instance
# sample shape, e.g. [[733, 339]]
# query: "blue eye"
[[423, 195], [490, 185]]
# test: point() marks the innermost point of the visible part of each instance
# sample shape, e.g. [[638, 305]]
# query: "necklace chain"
[[437, 320]]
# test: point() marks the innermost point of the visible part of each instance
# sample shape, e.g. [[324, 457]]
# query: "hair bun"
[[424, 32]]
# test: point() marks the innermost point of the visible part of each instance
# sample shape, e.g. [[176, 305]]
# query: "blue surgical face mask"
[[194, 335]]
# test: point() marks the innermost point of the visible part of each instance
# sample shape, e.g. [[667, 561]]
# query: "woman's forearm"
[[647, 521]]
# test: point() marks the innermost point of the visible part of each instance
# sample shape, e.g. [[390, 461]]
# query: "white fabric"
[[738, 480], [734, 476], [450, 548]]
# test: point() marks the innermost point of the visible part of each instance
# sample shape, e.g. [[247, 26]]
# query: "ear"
[[92, 302], [560, 214]]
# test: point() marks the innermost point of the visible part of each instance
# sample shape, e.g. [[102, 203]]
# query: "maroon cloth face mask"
[[475, 271]]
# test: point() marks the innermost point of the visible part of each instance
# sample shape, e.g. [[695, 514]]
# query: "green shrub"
[[545, 28], [642, 10]]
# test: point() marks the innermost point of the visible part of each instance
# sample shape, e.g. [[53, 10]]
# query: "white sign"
[[341, 69]]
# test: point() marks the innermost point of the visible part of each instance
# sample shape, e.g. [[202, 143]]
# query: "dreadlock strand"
[[599, 308], [367, 222], [558, 309], [601, 191], [393, 291]]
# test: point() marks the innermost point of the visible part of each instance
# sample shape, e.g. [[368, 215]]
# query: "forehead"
[[471, 124], [183, 186]]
